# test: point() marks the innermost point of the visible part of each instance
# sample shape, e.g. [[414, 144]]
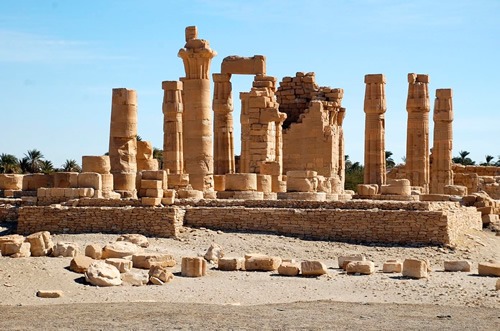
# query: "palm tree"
[[389, 161], [24, 165], [463, 159], [488, 159], [34, 158], [46, 166], [353, 174], [9, 164], [71, 166], [158, 154]]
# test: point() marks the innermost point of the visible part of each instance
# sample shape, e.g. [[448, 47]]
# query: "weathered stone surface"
[[123, 265], [413, 268], [49, 294], [360, 267], [344, 260], [135, 238], [24, 251], [80, 263], [41, 243], [489, 269], [65, 249], [11, 244], [463, 266], [497, 286], [193, 267], [147, 260], [392, 266], [93, 251], [214, 253], [289, 269], [119, 249], [134, 278], [103, 274], [159, 275], [231, 263], [261, 262], [313, 268]]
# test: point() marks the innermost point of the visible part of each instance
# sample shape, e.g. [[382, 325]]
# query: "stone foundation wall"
[[9, 209], [157, 222]]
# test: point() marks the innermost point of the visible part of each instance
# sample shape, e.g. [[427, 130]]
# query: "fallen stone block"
[[101, 273], [123, 265], [193, 267], [65, 249], [159, 275], [289, 269], [148, 260], [93, 251], [214, 253], [360, 267], [231, 263], [261, 262], [24, 251], [11, 244], [41, 243], [392, 266], [133, 278], [344, 260], [413, 268], [119, 249], [497, 286], [489, 269], [454, 266], [49, 294], [313, 268], [80, 263], [135, 238]]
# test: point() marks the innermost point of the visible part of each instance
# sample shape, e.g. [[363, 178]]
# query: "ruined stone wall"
[[479, 170], [158, 222], [363, 225]]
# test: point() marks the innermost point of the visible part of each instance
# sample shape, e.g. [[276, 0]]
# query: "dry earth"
[[258, 300]]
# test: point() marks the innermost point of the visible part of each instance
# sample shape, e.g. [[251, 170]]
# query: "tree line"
[[34, 162]]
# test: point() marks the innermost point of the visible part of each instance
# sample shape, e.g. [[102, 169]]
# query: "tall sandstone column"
[[417, 139], [223, 125], [197, 116], [375, 107], [123, 141], [173, 158], [441, 171]]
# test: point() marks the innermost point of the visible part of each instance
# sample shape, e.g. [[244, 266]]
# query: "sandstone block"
[[455, 190], [151, 183], [90, 180], [154, 193], [66, 179], [231, 263], [360, 267], [241, 182], [193, 267], [80, 263], [65, 249], [270, 168], [344, 260], [214, 253], [124, 181], [133, 278], [159, 275], [392, 266], [313, 268], [219, 183], [119, 249], [11, 182], [147, 260], [497, 286], [134, 238], [264, 183], [123, 265], [168, 201], [107, 182], [190, 194], [24, 251], [489, 269], [301, 184], [101, 273], [255, 65], [33, 182], [150, 202], [41, 243], [463, 266], [49, 294], [289, 269], [11, 244], [396, 187], [413, 268], [261, 262], [93, 251], [178, 180], [367, 189], [100, 164]]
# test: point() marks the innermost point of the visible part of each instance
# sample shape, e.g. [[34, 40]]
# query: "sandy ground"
[[242, 300]]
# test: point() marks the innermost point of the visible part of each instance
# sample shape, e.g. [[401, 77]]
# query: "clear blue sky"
[[59, 61]]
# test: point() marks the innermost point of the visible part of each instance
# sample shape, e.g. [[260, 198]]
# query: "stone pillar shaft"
[[441, 169], [223, 125], [417, 140], [375, 108], [173, 157]]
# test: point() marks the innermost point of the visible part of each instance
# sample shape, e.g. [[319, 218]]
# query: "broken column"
[[375, 107], [441, 172], [123, 141], [417, 140], [173, 158], [197, 116], [145, 158], [223, 125]]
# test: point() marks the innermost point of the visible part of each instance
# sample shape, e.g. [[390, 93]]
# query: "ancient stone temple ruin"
[[289, 178]]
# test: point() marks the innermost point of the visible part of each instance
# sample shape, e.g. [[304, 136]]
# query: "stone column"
[[173, 158], [245, 133], [375, 107], [197, 115], [123, 141], [417, 140], [341, 169], [223, 125], [441, 171]]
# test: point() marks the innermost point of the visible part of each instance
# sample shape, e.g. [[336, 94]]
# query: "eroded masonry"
[[289, 178]]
